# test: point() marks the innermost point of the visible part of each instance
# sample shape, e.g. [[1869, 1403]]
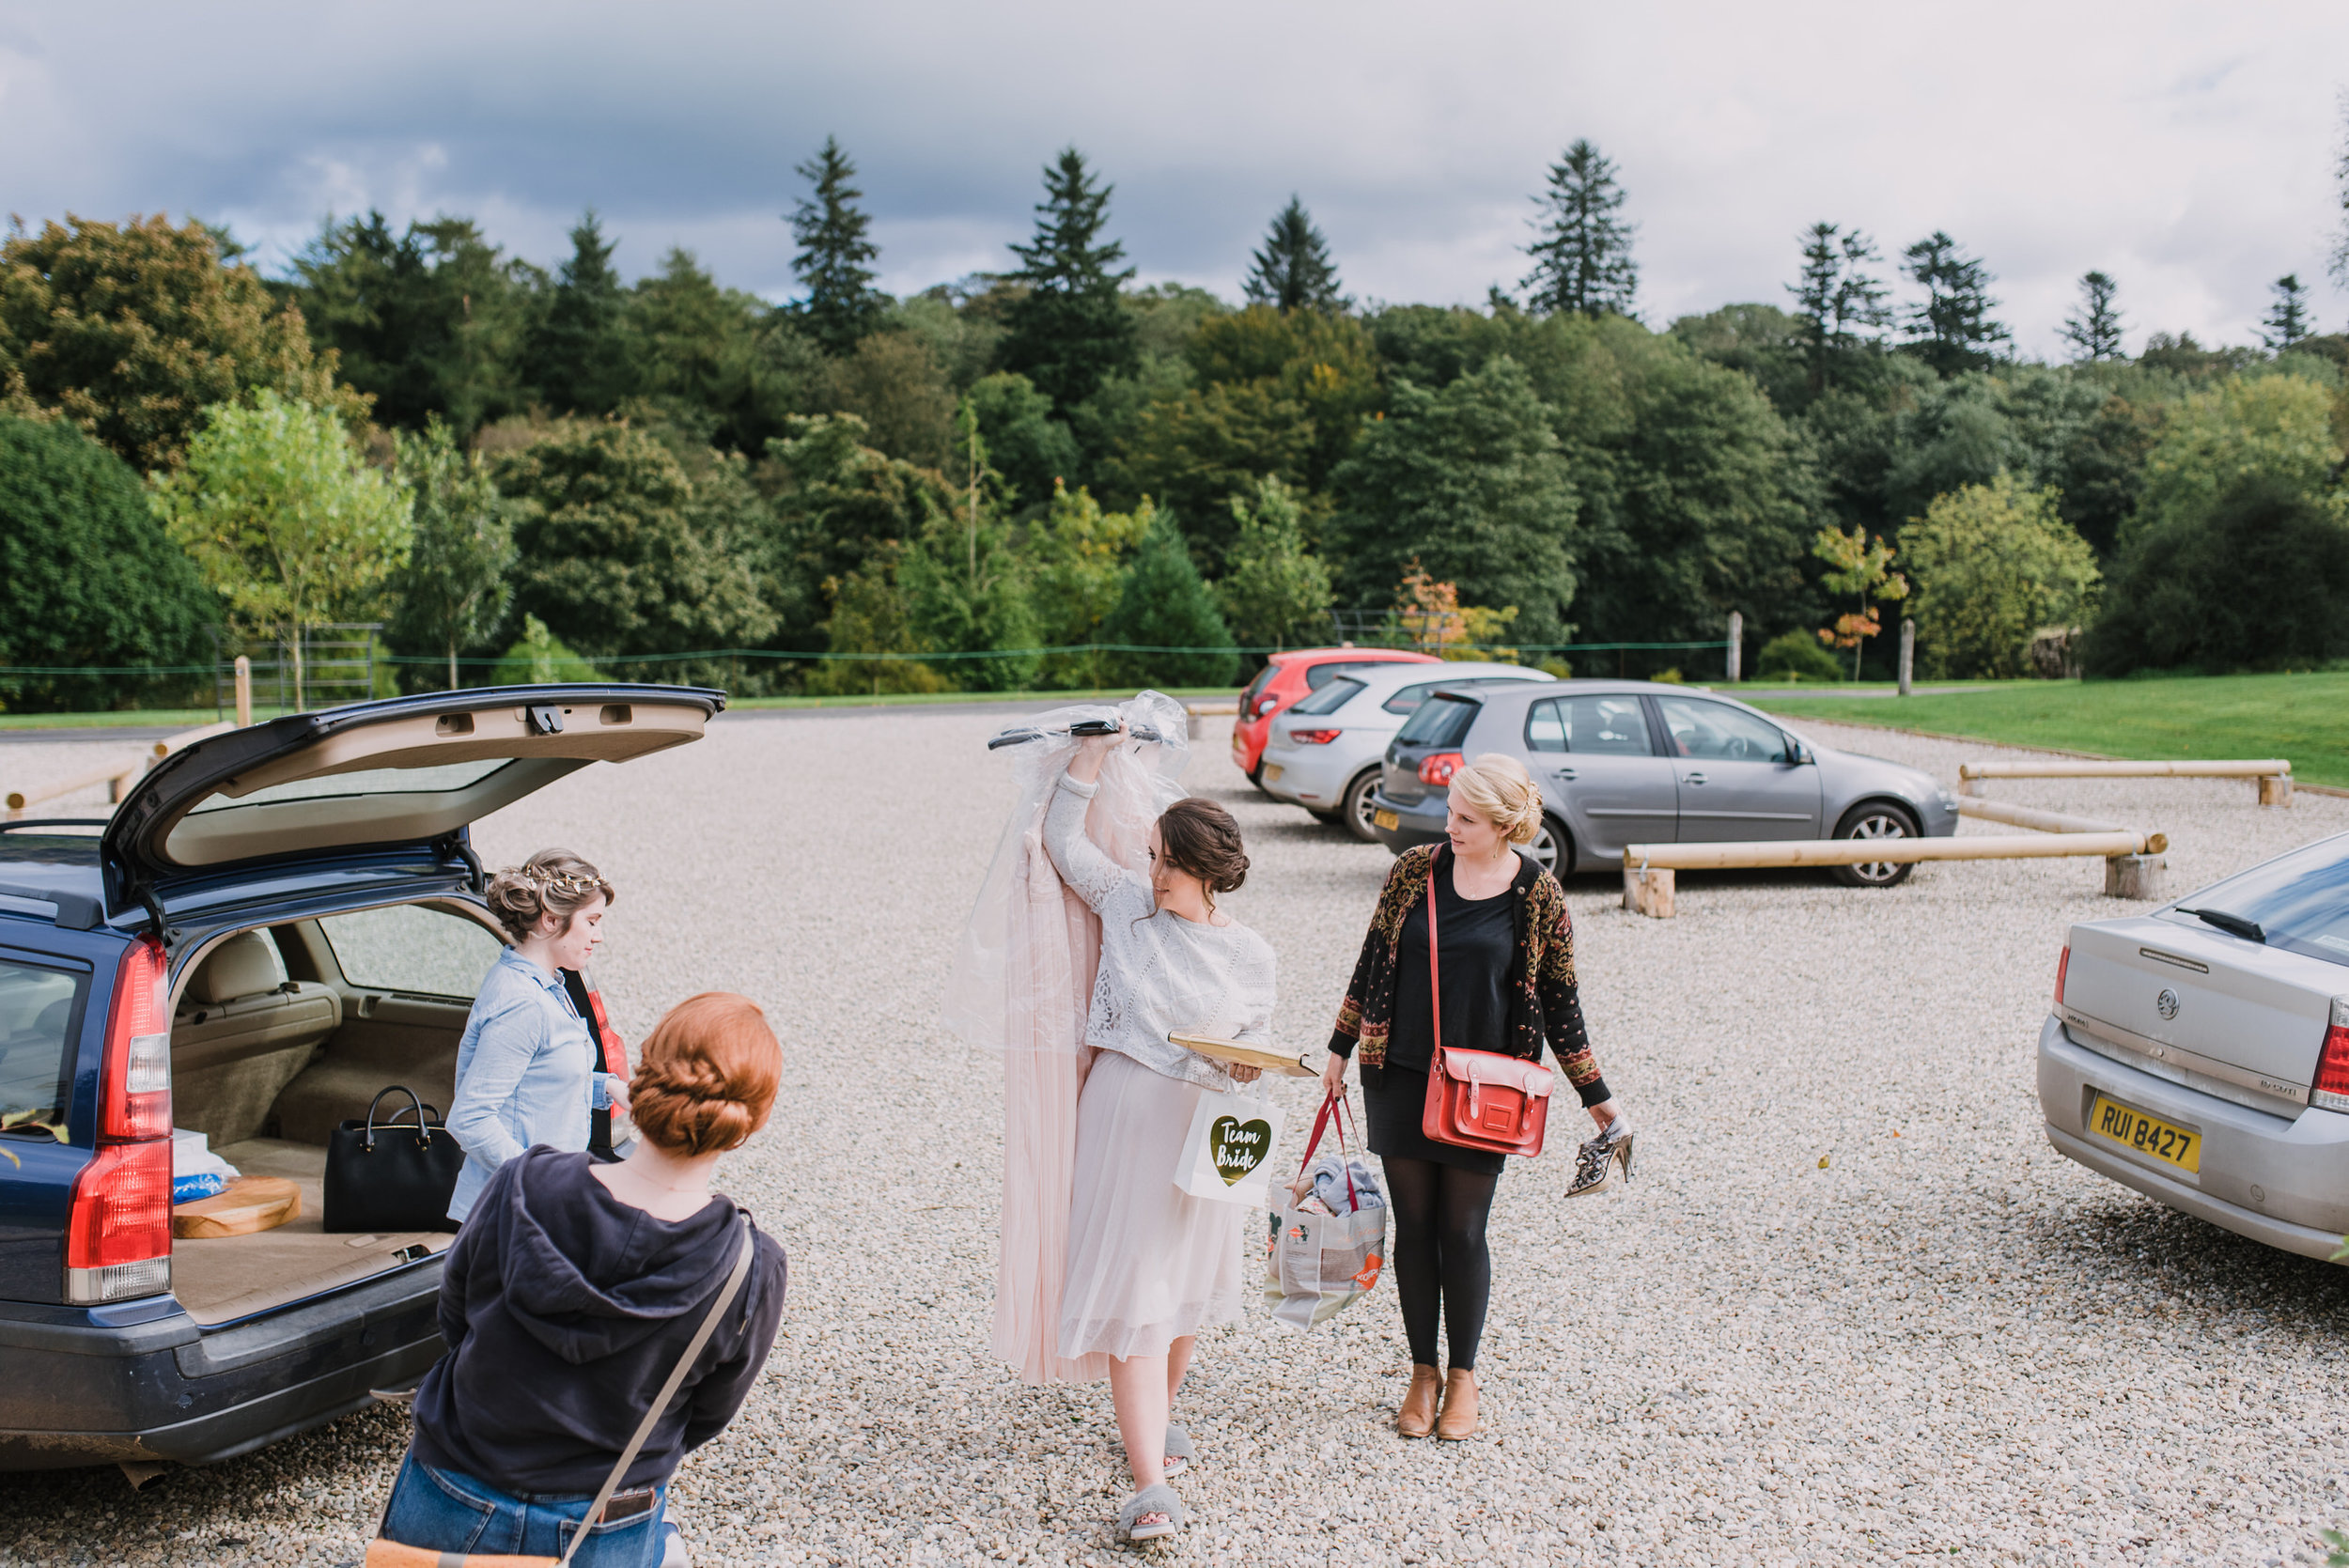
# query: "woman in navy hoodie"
[[570, 1294]]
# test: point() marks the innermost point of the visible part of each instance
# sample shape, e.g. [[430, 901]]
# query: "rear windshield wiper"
[[2234, 924]]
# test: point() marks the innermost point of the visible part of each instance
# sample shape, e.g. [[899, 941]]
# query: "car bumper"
[[2283, 1180], [88, 1386], [1310, 776], [1415, 825]]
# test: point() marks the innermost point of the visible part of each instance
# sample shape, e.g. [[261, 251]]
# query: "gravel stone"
[[1853, 1308]]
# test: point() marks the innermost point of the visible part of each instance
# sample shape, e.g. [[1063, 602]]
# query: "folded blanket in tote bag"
[[1318, 1263]]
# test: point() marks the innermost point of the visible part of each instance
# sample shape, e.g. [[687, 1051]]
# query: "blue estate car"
[[279, 923]]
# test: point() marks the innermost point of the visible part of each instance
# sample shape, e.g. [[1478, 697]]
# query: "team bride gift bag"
[[1227, 1155]]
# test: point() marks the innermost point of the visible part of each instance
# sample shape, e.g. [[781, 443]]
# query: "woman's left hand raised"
[[1244, 1075]]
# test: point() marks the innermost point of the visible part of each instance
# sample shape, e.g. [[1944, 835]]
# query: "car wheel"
[[1876, 820], [1554, 848], [1354, 807]]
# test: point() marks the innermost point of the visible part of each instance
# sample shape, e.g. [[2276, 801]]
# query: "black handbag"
[[389, 1175]]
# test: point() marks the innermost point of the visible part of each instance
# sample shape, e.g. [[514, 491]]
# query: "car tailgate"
[[2254, 1015]]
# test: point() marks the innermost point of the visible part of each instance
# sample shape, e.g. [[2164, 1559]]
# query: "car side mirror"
[[1798, 753]]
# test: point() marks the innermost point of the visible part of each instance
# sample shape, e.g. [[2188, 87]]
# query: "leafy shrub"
[[538, 658], [1795, 656], [1993, 564], [87, 577], [2257, 579]]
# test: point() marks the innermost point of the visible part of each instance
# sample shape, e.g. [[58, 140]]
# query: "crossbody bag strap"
[[726, 1292]]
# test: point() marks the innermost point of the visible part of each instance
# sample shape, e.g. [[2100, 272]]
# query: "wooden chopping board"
[[251, 1204]]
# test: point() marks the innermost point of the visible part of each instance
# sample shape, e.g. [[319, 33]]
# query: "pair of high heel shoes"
[[1597, 1162]]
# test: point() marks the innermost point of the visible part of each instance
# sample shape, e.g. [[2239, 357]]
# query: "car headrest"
[[245, 965]]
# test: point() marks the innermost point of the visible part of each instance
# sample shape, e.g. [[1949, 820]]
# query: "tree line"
[[518, 468]]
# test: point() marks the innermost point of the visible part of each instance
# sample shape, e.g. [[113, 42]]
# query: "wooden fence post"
[[1736, 647], [244, 692], [1908, 651]]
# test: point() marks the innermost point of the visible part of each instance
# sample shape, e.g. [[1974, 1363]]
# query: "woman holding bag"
[[1148, 1265], [1503, 962]]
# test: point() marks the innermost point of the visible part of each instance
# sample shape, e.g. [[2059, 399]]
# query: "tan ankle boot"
[[1460, 1407], [1417, 1418]]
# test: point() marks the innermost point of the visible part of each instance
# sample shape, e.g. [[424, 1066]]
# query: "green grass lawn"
[[2302, 716]]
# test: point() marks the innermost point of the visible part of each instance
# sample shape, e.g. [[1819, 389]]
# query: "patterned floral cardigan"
[[1543, 998]]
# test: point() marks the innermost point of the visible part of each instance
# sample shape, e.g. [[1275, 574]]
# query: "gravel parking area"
[[1852, 1309]]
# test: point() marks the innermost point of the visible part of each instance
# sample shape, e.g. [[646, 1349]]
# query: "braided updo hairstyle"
[[552, 882], [708, 1076], [1199, 836]]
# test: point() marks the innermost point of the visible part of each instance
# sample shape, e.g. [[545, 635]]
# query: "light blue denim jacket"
[[525, 1074]]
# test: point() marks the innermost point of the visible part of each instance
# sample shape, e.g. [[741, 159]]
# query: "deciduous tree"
[[1275, 593], [1993, 564], [133, 331], [88, 578], [453, 592]]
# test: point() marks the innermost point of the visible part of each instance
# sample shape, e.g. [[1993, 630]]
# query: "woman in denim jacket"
[[526, 1068]]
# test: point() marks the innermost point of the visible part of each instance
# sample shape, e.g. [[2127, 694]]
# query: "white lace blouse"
[[1159, 972]]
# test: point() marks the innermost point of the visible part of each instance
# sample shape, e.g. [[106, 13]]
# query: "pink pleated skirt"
[[1147, 1261]]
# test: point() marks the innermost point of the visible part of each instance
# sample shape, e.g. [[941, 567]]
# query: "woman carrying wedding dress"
[[1148, 1265]]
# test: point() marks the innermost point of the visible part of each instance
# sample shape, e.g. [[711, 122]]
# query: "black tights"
[[1441, 1265]]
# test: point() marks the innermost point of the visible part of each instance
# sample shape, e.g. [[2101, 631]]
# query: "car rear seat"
[[242, 1034]]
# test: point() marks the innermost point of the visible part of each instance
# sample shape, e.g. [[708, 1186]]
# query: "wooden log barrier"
[[2272, 774], [2050, 821], [1208, 708], [120, 772], [1647, 868]]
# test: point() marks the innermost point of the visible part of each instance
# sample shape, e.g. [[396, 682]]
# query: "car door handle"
[[1565, 773], [1692, 778]]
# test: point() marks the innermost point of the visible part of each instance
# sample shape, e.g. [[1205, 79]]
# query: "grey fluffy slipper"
[[1179, 1451], [1150, 1499]]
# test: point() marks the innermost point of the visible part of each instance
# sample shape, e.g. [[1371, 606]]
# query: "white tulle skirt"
[[1147, 1261]]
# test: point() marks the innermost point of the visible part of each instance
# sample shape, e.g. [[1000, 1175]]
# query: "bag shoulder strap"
[[726, 1292]]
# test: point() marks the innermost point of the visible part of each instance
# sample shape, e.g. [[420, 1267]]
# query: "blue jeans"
[[451, 1512]]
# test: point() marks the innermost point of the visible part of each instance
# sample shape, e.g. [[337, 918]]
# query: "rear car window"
[[39, 1010], [1257, 685], [1408, 699], [412, 948], [1721, 733], [1319, 675], [2301, 901], [1330, 698], [1440, 721], [1595, 726]]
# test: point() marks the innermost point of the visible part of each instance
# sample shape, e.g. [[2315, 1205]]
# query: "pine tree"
[[1071, 330], [577, 355], [2095, 334], [1951, 330], [1837, 299], [2287, 320], [1166, 605], [1582, 260], [842, 304], [1294, 270]]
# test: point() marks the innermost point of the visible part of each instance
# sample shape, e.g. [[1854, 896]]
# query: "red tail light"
[[1315, 737], [1438, 769], [1266, 705], [117, 1238], [135, 1091], [2331, 1088], [2064, 967]]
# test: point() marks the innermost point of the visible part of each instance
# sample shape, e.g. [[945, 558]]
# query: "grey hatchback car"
[[2200, 1053], [1636, 762]]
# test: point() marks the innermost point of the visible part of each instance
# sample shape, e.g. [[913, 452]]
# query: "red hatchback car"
[[1291, 676]]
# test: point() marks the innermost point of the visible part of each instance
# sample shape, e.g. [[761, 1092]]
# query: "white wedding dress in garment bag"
[[1022, 983]]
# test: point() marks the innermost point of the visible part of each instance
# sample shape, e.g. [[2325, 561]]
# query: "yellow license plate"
[[2148, 1135], [1272, 772], [1386, 819]]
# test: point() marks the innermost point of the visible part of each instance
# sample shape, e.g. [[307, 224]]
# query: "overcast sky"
[[2185, 148]]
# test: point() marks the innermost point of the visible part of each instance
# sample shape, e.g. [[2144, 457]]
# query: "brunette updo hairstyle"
[[1199, 836], [552, 882], [708, 1076]]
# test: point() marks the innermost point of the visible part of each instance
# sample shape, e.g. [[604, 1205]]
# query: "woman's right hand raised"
[[1085, 766]]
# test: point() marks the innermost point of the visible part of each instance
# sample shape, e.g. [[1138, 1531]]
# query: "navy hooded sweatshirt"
[[565, 1309]]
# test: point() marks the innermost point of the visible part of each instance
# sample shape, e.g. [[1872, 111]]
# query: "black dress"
[[1478, 938]]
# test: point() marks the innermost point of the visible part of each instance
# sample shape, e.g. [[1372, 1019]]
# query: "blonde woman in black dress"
[[1506, 952]]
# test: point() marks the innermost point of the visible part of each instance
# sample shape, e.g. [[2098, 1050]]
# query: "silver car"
[[2200, 1053], [1635, 762], [1323, 752]]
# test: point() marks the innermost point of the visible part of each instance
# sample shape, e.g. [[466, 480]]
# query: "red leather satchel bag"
[[1479, 1099]]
